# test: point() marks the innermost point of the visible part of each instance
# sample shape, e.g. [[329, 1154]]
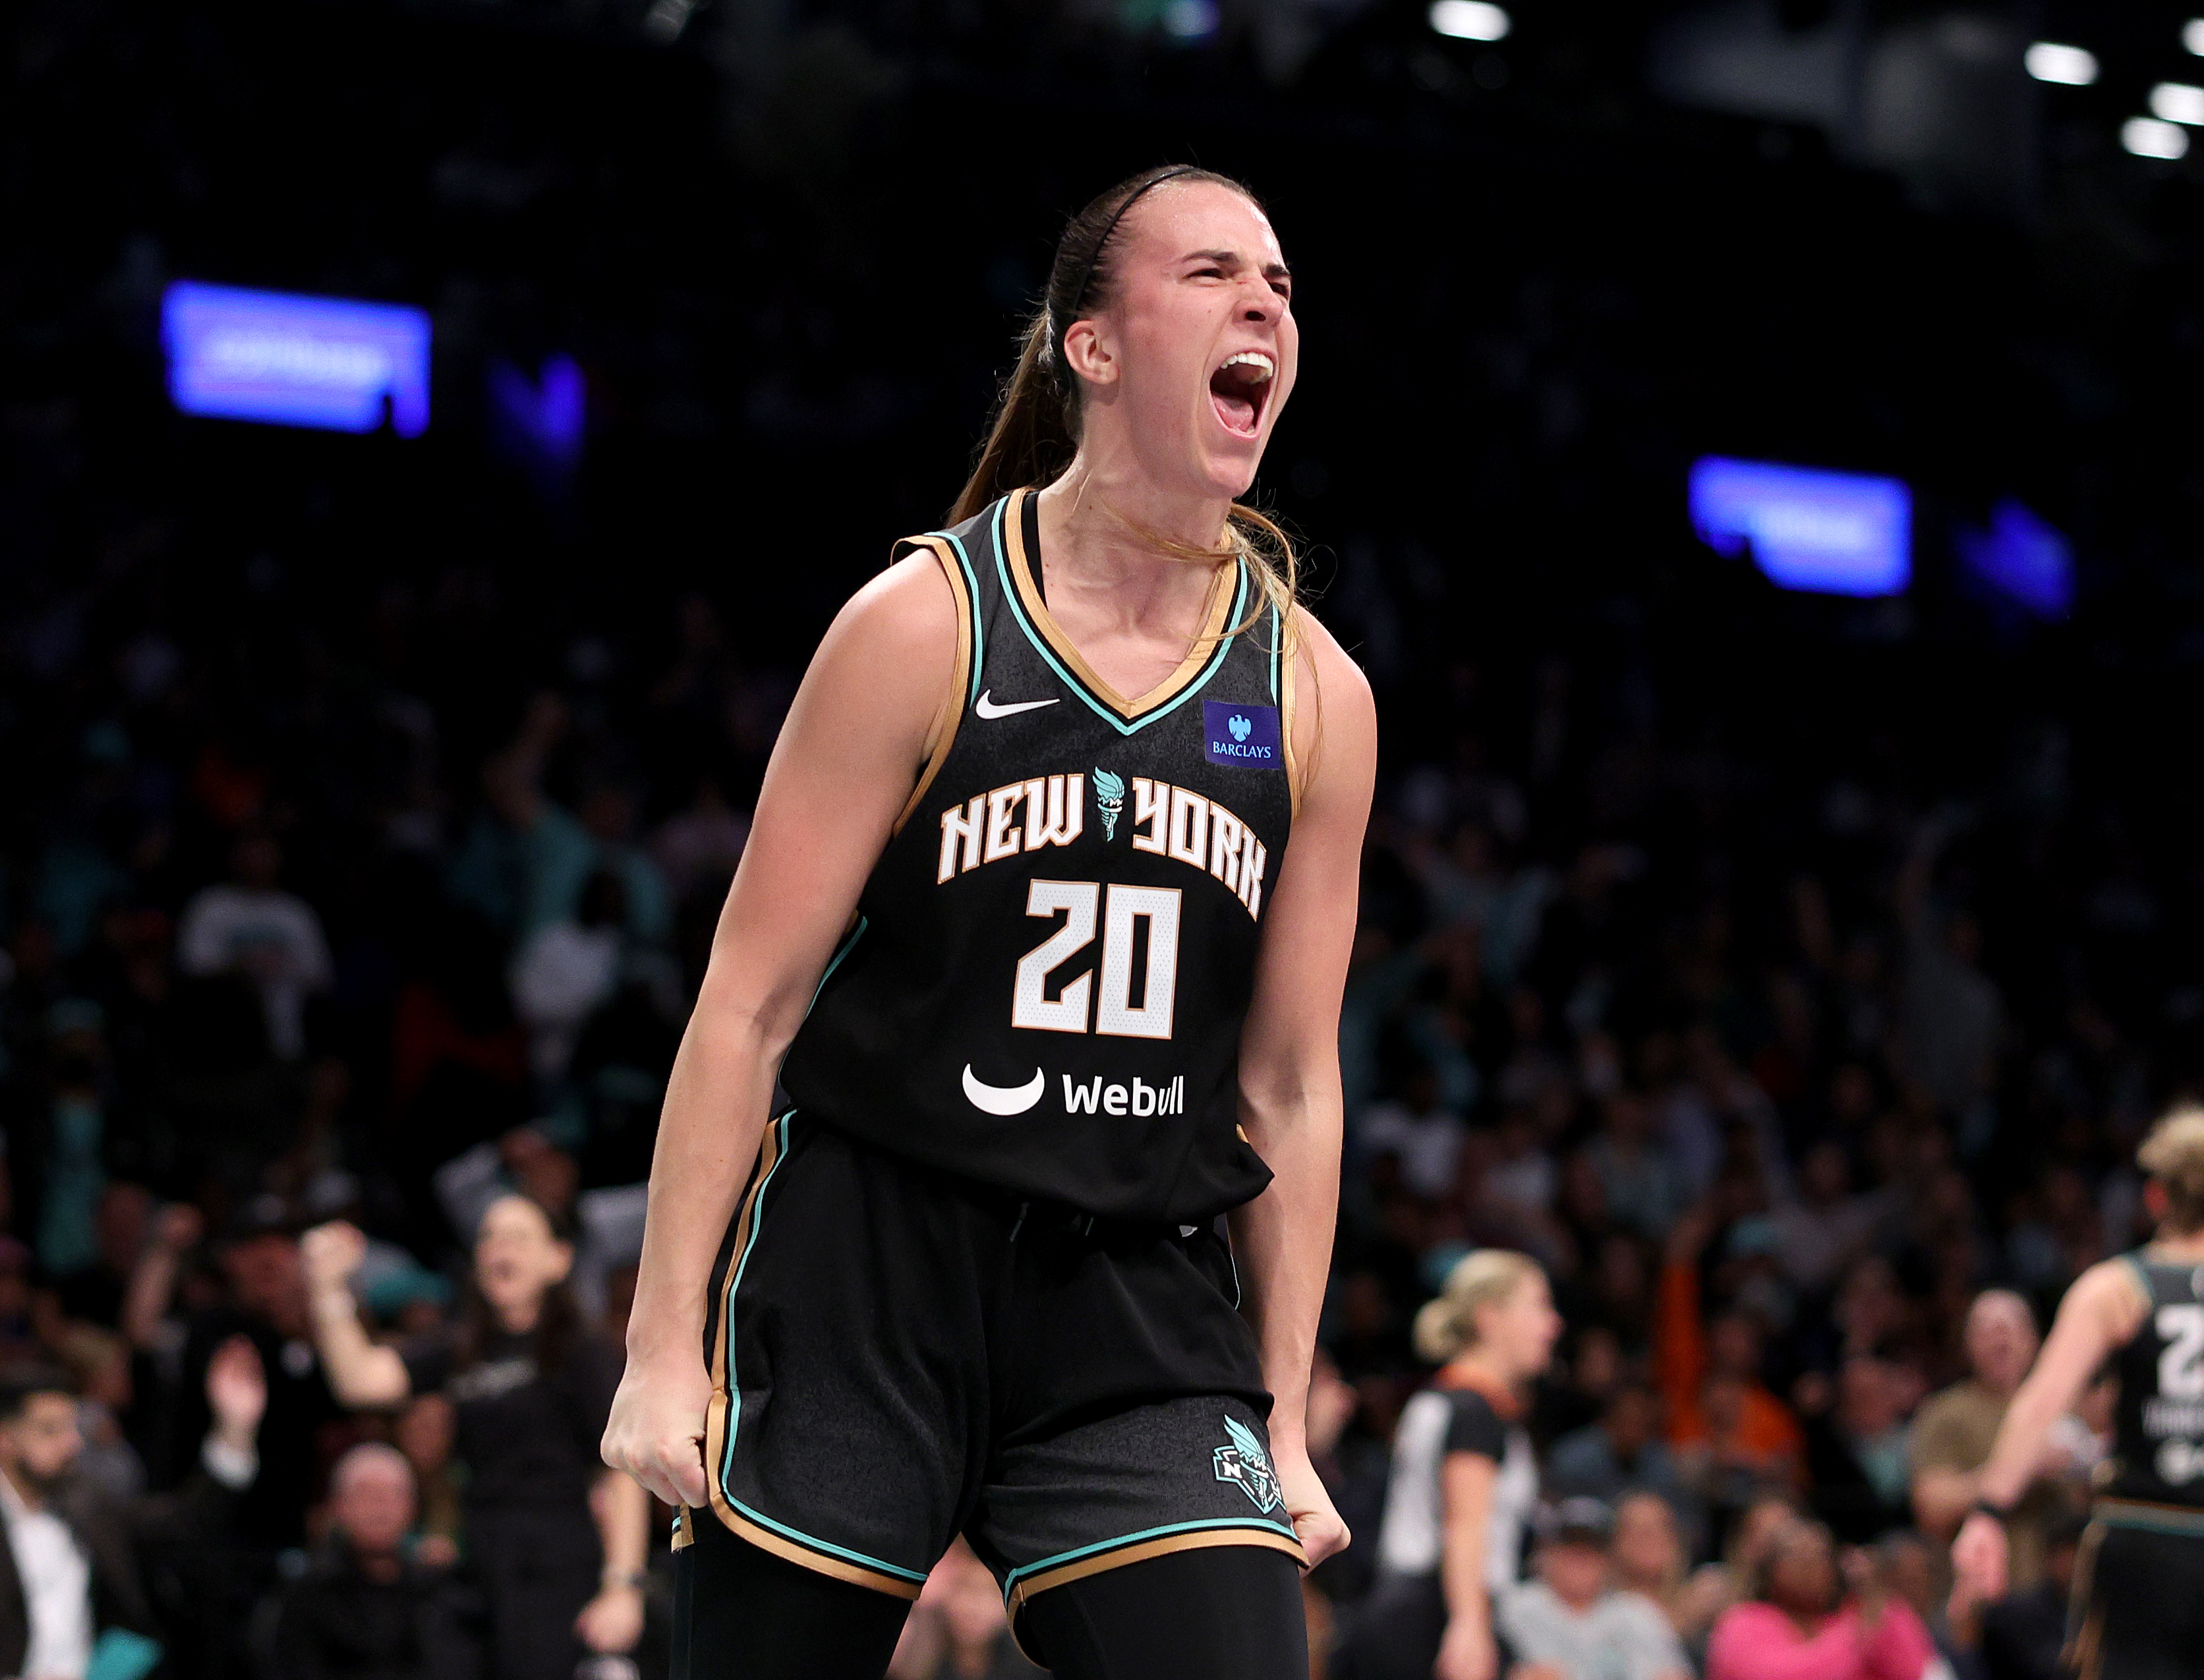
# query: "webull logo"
[[1141, 1099]]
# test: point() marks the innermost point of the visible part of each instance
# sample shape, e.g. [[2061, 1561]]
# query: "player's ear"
[[1089, 353]]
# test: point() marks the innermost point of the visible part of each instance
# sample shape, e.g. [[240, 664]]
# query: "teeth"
[[1253, 358]]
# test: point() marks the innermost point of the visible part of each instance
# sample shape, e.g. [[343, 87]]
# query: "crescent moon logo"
[[1002, 1099]]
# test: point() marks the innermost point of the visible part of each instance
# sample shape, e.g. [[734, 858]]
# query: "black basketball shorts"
[[899, 1356], [2137, 1607]]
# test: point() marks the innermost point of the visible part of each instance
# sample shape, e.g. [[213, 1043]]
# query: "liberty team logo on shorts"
[[1246, 1463]]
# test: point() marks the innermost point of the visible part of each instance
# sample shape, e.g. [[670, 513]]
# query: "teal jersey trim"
[[2118, 1514], [735, 1390], [2141, 1277], [1277, 640], [825, 1545], [1072, 1557], [728, 1304], [832, 963], [1040, 643], [972, 596]]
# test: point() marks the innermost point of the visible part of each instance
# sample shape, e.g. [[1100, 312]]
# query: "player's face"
[[1199, 348]]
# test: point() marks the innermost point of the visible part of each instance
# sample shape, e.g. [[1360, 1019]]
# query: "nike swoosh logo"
[[987, 707], [1002, 1099]]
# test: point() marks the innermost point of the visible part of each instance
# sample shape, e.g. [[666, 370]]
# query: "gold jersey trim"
[[715, 1416], [1220, 608], [943, 735], [1023, 1593]]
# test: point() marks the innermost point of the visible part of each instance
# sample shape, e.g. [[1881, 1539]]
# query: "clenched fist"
[[656, 1432]]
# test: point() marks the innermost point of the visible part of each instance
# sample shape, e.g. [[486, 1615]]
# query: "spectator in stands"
[[1574, 1622], [1954, 1432], [2023, 1635], [1622, 1451], [1736, 1438], [251, 927], [554, 1540], [1649, 1557], [1821, 1233], [265, 1302], [1464, 1483], [1805, 1622], [77, 1566], [1857, 1452], [366, 1609], [1715, 1587]]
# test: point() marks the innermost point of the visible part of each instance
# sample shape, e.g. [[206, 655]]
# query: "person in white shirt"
[[69, 1554], [250, 926], [1571, 1624]]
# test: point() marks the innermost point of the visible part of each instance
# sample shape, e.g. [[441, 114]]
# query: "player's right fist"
[[656, 1430]]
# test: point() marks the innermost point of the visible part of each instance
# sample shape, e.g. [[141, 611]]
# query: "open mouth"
[[1239, 389]]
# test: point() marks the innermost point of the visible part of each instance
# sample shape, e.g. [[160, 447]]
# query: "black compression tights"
[[1222, 1612]]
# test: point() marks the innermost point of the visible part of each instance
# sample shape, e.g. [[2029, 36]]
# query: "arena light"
[[2177, 101], [334, 363], [1469, 19], [2147, 136], [2023, 559], [1827, 533], [1191, 20], [2056, 61], [2192, 36]]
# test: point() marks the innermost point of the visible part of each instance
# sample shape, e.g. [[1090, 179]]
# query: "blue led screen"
[[1830, 533], [331, 363]]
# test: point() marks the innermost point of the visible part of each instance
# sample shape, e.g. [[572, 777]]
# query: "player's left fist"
[[1309, 1505]]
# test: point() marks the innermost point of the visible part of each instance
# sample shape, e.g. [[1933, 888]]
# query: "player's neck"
[[1103, 527], [2184, 1248]]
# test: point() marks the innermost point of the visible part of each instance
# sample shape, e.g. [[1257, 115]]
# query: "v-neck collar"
[[1024, 592]]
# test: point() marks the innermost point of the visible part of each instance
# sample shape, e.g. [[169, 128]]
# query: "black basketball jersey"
[[1045, 986], [2157, 1440]]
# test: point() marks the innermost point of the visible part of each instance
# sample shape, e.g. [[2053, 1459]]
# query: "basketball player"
[[2138, 1600], [1048, 905]]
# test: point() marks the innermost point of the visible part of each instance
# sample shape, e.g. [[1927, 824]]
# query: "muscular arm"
[[2102, 1311], [1289, 1087], [847, 759]]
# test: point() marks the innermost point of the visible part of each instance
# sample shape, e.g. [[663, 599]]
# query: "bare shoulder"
[[909, 609], [1323, 661], [2109, 1294], [886, 661], [1335, 714]]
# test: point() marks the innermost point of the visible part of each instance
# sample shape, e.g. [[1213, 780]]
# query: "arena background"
[[788, 243]]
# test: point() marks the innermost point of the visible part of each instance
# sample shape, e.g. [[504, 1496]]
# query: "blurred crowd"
[[1789, 981], [1808, 1140], [332, 1060]]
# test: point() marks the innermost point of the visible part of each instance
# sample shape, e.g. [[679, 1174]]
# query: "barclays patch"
[[1245, 736]]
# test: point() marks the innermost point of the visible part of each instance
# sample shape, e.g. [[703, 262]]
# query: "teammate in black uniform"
[[2138, 1602], [1047, 904]]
